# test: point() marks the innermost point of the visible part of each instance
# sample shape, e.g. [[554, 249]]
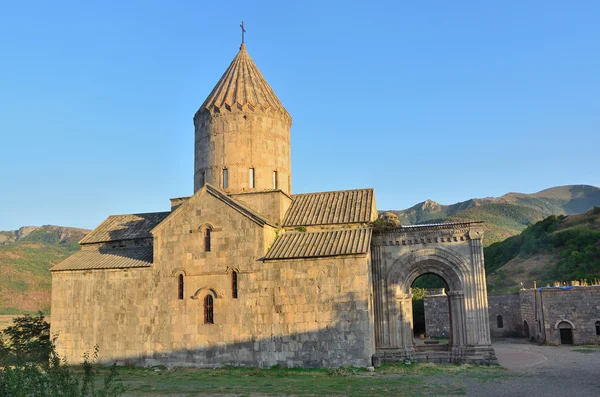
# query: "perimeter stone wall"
[[437, 314], [508, 307], [579, 306]]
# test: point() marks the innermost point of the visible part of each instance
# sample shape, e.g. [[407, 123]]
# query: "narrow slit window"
[[207, 240], [597, 327], [180, 287], [208, 310], [225, 178], [251, 177], [234, 285], [274, 179], [203, 178], [500, 321]]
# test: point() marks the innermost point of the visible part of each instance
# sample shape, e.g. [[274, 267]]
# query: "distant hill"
[[26, 255], [559, 248], [507, 215]]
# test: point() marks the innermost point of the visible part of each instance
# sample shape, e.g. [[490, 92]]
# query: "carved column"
[[480, 302], [457, 312]]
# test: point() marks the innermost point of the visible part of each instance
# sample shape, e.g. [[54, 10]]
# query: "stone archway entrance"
[[450, 252]]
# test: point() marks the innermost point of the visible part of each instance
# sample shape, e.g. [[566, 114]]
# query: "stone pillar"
[[458, 315], [382, 338], [481, 326]]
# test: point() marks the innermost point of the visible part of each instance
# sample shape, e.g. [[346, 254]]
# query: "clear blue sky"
[[420, 100]]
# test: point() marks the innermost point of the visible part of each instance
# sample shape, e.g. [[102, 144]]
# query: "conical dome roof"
[[242, 86]]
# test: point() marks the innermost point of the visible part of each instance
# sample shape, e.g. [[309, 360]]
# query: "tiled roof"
[[334, 242], [342, 206], [242, 86], [125, 227], [118, 258]]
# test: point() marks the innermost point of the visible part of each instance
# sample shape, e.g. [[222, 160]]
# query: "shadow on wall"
[[344, 341]]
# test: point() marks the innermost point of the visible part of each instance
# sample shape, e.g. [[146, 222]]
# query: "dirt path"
[[548, 371]]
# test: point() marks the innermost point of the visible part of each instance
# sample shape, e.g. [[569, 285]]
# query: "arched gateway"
[[451, 251]]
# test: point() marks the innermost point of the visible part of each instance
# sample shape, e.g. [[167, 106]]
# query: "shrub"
[[31, 367]]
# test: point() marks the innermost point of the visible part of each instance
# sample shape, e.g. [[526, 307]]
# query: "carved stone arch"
[[200, 293], [231, 269], [450, 266], [177, 271], [564, 321], [205, 226]]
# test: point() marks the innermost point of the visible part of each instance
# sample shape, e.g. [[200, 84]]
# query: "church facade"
[[244, 272]]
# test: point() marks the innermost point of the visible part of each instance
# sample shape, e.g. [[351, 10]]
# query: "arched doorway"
[[525, 329], [431, 312], [453, 252], [448, 266], [565, 330]]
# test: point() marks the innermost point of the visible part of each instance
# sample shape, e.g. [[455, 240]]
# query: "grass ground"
[[389, 380]]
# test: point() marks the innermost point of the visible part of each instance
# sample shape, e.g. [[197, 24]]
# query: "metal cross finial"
[[243, 31]]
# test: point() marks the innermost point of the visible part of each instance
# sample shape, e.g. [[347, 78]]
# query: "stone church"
[[244, 272]]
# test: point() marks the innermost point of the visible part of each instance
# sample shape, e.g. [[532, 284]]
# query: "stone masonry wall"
[[529, 317], [579, 306], [310, 312], [301, 312], [437, 315], [507, 306], [108, 308]]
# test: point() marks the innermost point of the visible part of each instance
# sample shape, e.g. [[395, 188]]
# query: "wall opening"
[[274, 179], [597, 327], [208, 310], [234, 285], [251, 178], [525, 329], [499, 321], [566, 333], [180, 287], [431, 310], [225, 178]]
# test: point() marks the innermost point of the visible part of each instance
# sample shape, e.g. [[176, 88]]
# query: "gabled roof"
[[334, 242], [117, 258], [329, 208], [219, 195], [125, 227], [242, 86]]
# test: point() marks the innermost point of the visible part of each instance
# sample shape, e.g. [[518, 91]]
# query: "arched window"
[[597, 327], [207, 240], [180, 287], [234, 285], [208, 310], [499, 321]]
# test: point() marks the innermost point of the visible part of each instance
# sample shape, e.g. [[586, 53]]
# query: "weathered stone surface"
[[505, 314], [547, 310]]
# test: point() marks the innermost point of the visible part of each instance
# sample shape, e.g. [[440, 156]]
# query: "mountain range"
[[507, 215], [26, 255]]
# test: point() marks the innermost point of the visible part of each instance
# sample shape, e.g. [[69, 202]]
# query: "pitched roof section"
[[335, 242], [242, 85], [120, 258], [219, 195], [329, 208], [125, 227]]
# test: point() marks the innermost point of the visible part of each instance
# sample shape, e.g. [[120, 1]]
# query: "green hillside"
[[26, 255], [507, 215], [558, 248]]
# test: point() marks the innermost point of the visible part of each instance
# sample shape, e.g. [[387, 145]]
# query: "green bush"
[[27, 340], [31, 367]]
